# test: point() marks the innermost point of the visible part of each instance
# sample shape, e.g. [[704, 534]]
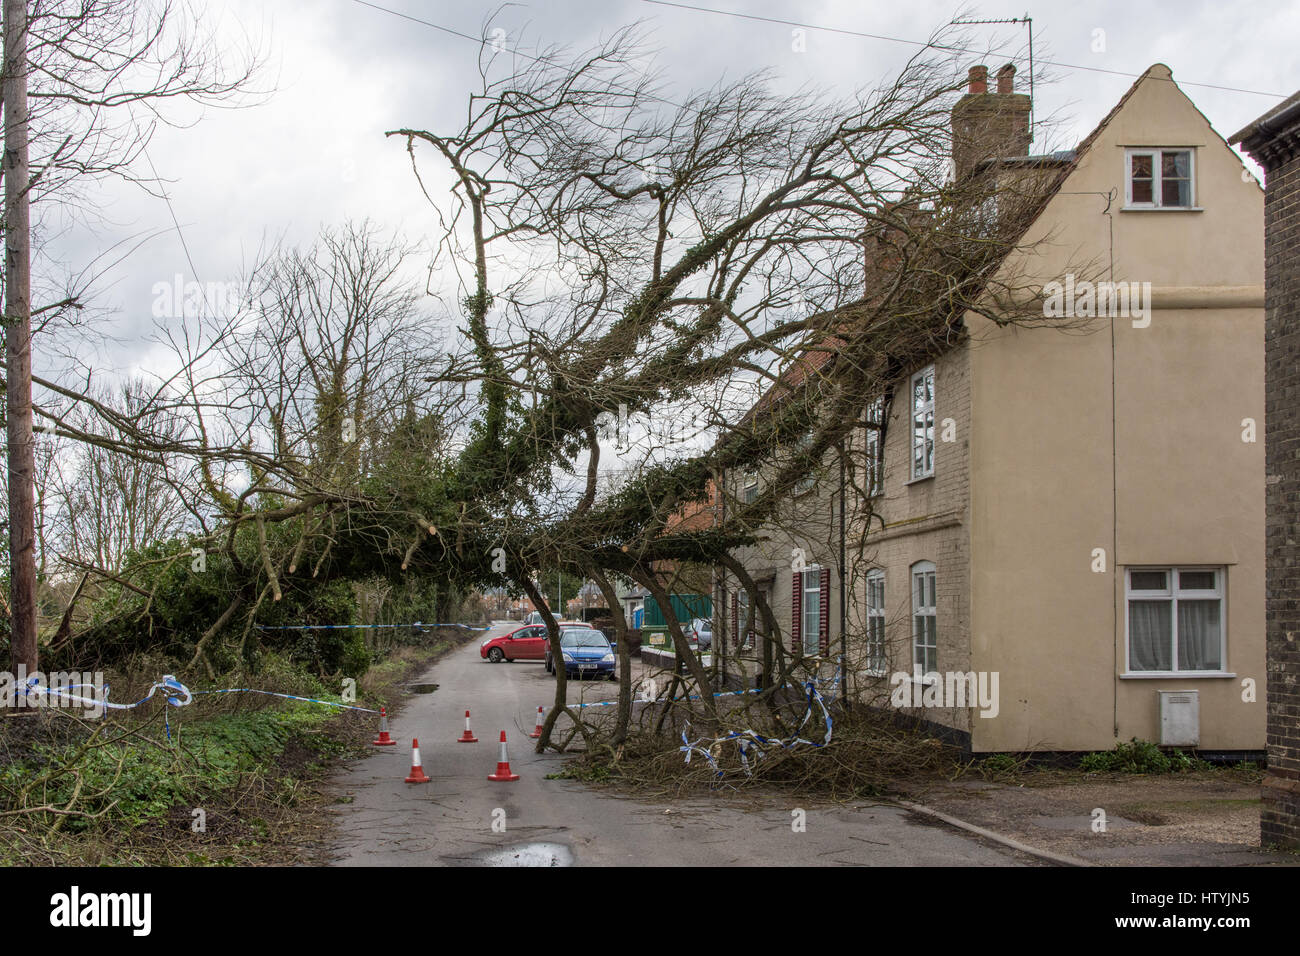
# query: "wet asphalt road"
[[383, 821]]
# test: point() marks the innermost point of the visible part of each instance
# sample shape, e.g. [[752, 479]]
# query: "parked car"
[[700, 632], [535, 617], [527, 643], [585, 653]]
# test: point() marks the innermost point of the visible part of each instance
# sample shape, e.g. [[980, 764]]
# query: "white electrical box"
[[1180, 718]]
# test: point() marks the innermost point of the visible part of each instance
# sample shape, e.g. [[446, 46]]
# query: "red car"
[[527, 643]]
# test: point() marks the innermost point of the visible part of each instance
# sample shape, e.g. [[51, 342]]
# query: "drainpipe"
[[720, 586], [844, 631]]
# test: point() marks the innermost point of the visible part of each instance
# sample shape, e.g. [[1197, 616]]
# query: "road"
[[383, 821]]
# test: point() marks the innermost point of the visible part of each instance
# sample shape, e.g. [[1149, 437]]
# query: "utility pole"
[[18, 342]]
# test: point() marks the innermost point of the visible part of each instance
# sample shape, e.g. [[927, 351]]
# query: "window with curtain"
[[876, 660], [925, 637], [1175, 619]]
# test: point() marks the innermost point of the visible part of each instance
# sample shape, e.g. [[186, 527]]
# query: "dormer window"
[[1160, 179]]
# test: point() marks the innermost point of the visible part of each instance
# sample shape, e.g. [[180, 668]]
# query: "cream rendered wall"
[[1159, 476]]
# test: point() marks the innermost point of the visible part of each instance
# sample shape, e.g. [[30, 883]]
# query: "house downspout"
[[844, 631], [1114, 501], [720, 587]]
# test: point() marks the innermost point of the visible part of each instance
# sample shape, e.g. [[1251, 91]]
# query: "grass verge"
[[228, 780]]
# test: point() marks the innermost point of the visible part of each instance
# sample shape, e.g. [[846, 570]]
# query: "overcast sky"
[[313, 153]]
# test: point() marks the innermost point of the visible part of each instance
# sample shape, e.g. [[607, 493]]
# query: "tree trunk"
[[624, 658], [18, 342]]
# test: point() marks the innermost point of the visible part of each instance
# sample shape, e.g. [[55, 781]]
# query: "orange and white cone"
[[417, 771], [541, 716], [384, 740], [503, 765], [468, 736]]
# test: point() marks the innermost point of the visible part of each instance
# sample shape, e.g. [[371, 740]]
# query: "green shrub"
[[999, 763], [1140, 756]]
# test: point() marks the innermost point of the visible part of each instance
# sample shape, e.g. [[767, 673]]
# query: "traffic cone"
[[503, 765], [384, 740], [417, 771], [468, 736], [541, 715]]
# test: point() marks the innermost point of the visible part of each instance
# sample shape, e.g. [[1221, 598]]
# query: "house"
[[1062, 537], [1274, 139], [632, 598]]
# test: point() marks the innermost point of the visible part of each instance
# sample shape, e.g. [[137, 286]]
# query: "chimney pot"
[[989, 127]]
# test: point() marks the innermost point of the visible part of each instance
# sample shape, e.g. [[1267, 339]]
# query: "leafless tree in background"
[[79, 78], [106, 504]]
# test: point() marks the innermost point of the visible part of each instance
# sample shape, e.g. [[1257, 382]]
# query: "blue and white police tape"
[[748, 741], [664, 700], [34, 688], [418, 625], [272, 693]]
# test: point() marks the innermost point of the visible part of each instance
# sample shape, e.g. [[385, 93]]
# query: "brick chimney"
[[989, 125]]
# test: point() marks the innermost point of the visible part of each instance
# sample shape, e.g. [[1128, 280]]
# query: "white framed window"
[[809, 480], [1175, 620], [923, 423], [925, 631], [742, 615], [812, 611], [748, 486], [875, 447], [1160, 179], [877, 663]]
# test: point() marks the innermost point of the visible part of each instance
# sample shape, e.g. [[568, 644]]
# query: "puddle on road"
[[528, 854], [419, 688]]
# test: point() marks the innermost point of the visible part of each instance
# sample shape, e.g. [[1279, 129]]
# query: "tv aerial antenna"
[[1028, 21]]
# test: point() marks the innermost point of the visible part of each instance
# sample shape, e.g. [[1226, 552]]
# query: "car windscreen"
[[583, 638]]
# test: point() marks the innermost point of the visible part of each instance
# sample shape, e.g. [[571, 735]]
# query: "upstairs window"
[[1160, 179], [748, 486], [875, 447], [809, 480], [923, 423]]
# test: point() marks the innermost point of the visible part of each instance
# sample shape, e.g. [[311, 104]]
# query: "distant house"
[[1077, 515], [632, 598]]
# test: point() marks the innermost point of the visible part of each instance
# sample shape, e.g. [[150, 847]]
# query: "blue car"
[[585, 652]]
